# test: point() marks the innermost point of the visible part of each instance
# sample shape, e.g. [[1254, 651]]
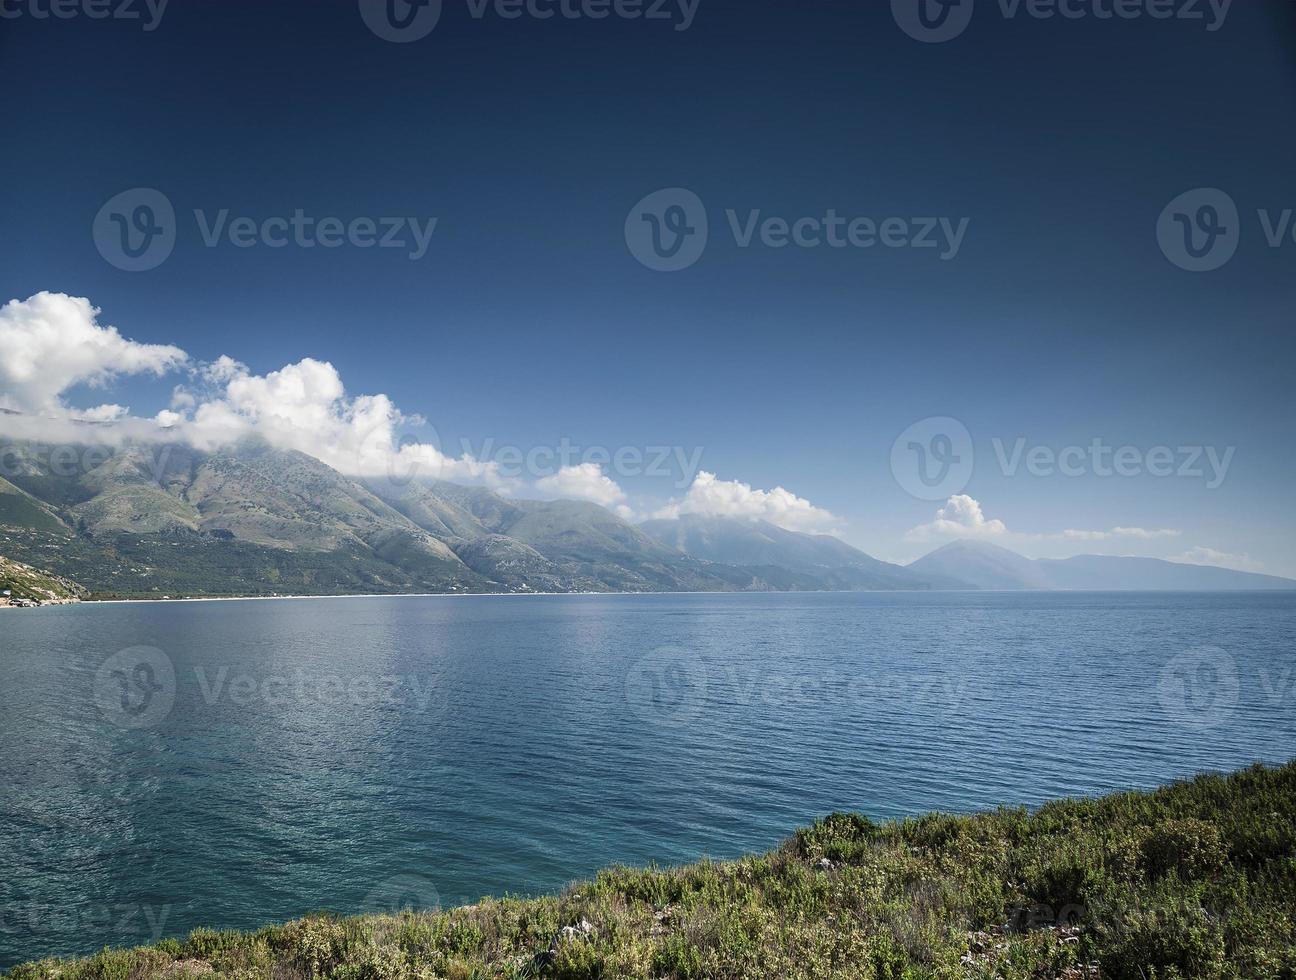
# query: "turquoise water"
[[228, 764]]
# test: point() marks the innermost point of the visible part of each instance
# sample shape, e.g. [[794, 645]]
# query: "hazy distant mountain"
[[1102, 572], [987, 566], [982, 566], [825, 561]]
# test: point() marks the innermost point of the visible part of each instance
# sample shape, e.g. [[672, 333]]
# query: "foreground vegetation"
[[1194, 880]]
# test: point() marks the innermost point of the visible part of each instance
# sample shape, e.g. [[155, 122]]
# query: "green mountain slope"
[[249, 520], [24, 582], [561, 545], [19, 508]]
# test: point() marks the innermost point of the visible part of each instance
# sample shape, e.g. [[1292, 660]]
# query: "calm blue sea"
[[229, 764]]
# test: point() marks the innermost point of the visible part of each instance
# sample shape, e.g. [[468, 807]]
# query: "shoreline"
[[521, 595], [1079, 888]]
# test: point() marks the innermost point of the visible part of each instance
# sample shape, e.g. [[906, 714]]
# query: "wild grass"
[[1196, 880]]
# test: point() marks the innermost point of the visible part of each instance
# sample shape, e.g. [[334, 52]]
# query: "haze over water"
[[365, 754]]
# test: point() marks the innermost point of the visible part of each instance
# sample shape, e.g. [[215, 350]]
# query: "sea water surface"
[[165, 766]]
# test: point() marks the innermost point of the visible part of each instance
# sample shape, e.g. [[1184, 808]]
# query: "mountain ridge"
[[249, 519]]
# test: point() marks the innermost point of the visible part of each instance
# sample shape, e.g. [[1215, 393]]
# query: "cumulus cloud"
[[586, 481], [305, 406], [728, 498], [961, 516], [1209, 556], [51, 342]]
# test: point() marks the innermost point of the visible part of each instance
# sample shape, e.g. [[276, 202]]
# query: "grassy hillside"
[[1194, 880], [26, 582], [21, 509]]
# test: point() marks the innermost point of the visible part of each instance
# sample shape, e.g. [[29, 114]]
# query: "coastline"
[[1185, 880]]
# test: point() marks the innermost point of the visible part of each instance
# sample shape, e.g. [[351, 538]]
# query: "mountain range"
[[149, 520], [982, 565]]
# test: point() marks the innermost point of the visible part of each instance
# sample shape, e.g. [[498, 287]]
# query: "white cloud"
[[305, 406], [51, 342], [961, 517], [1139, 533], [1209, 556], [586, 482], [729, 498], [103, 413]]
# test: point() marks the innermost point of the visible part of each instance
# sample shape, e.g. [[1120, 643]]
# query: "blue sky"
[[527, 322]]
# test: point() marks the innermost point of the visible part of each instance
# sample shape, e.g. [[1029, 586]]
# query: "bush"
[[839, 837], [1164, 936], [1191, 849]]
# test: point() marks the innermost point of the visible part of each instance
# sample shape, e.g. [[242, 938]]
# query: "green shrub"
[[677, 958], [1160, 934], [839, 837], [1189, 848]]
